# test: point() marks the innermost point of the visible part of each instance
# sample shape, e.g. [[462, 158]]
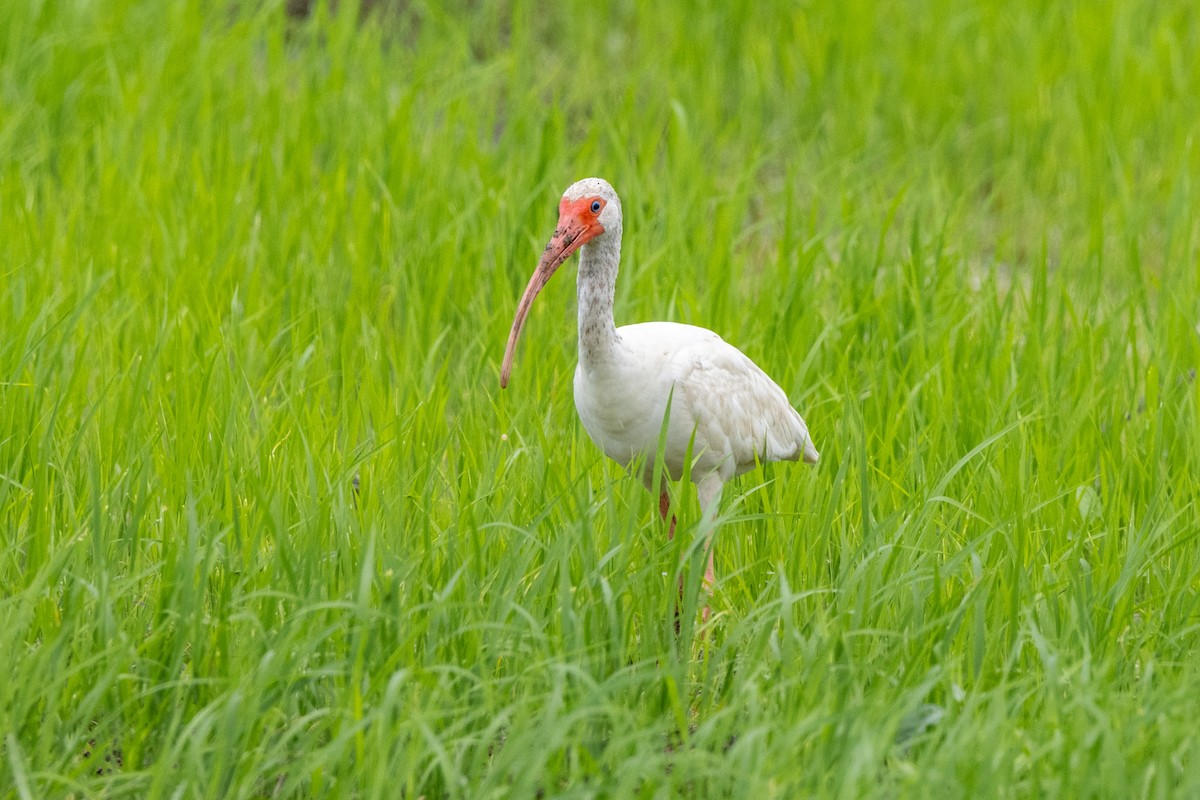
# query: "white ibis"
[[628, 376]]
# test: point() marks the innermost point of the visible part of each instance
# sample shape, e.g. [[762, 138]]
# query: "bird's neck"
[[598, 261]]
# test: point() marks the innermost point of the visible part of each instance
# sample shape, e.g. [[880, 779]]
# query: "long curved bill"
[[569, 237]]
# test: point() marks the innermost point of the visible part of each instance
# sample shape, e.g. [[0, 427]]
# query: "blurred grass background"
[[247, 255]]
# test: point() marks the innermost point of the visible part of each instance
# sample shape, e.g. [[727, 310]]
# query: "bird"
[[705, 398]]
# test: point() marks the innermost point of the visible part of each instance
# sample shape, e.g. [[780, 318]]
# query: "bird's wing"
[[738, 410]]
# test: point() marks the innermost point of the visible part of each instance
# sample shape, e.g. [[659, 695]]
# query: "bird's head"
[[589, 208]]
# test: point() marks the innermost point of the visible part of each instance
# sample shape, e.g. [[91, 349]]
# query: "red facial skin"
[[578, 224]]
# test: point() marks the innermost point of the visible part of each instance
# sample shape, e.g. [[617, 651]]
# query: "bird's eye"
[[595, 206]]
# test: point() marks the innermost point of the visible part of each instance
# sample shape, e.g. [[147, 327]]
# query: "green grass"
[[243, 260]]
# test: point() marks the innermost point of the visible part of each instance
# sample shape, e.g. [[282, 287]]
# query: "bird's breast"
[[622, 409], [725, 414], [623, 401]]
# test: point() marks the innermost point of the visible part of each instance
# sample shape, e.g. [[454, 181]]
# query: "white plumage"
[[627, 376], [739, 415]]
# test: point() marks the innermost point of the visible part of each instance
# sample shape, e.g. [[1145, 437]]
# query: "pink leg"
[[664, 505], [710, 495], [710, 580]]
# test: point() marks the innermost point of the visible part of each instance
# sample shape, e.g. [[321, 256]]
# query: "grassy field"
[[245, 259]]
